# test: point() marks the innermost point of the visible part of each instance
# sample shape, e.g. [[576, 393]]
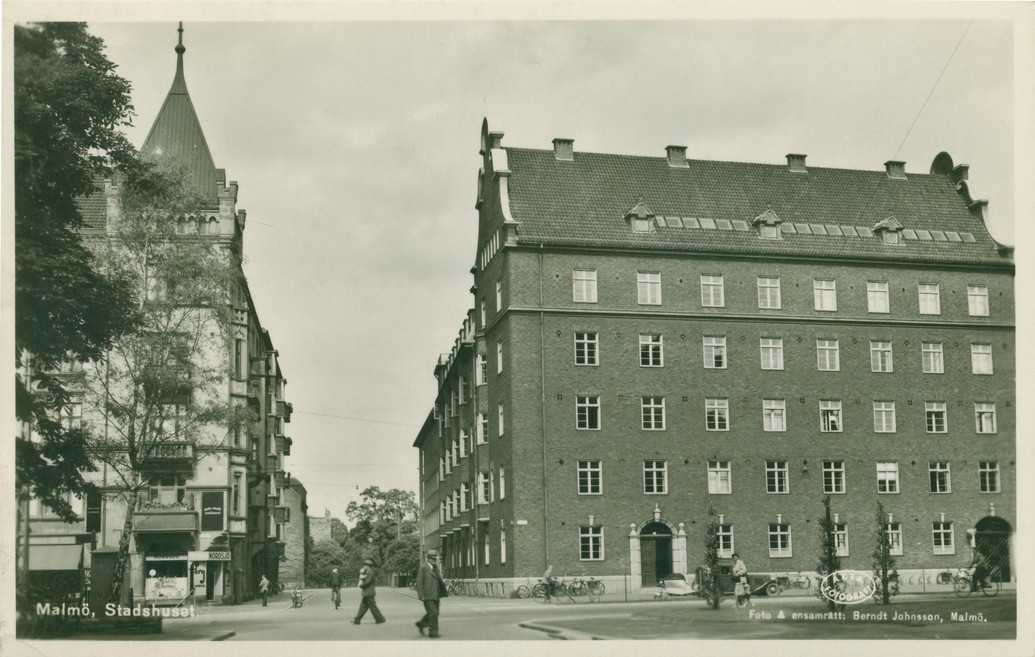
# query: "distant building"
[[296, 529], [320, 527], [212, 520], [654, 336]]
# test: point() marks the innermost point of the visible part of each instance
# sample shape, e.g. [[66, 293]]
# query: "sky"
[[355, 144]]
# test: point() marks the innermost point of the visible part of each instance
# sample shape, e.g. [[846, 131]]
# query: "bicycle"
[[801, 581], [524, 591], [945, 577], [963, 582], [578, 587], [456, 586], [335, 596], [596, 587]]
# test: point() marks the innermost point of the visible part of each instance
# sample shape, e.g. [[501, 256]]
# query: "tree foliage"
[[69, 106], [710, 586], [885, 571], [380, 518], [403, 555], [326, 555], [829, 562]]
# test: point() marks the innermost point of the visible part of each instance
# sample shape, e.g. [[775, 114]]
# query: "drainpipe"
[[542, 406]]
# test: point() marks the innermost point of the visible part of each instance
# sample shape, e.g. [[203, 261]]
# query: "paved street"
[[468, 618]]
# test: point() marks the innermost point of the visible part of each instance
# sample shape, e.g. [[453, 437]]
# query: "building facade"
[[654, 337], [211, 519]]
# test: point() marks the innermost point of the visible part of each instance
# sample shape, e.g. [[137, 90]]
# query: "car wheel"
[[773, 589]]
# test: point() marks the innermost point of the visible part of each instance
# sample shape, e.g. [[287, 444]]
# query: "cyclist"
[[551, 583], [335, 587], [980, 563]]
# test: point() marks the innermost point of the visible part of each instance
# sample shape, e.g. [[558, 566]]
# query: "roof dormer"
[[640, 219], [768, 225], [889, 229]]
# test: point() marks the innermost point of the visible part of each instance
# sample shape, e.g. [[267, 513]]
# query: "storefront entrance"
[[992, 538]]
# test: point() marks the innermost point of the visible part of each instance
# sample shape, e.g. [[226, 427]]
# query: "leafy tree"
[[829, 562], [709, 588], [884, 570], [69, 105], [161, 387], [327, 554], [403, 555], [382, 517]]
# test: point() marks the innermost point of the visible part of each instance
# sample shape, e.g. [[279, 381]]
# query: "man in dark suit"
[[429, 590], [367, 579]]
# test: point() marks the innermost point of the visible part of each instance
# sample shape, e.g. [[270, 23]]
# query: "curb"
[[561, 633], [224, 637]]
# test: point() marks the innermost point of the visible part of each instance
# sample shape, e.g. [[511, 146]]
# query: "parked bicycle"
[[945, 577], [525, 590], [455, 586], [801, 581], [963, 582]]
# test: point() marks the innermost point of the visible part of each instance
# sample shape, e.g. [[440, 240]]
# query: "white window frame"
[[940, 477], [724, 532], [887, 478], [936, 417], [591, 543], [713, 348], [878, 298], [824, 350], [981, 359], [831, 416], [840, 535], [977, 300], [932, 357], [499, 295], [942, 538], [716, 414], [774, 415], [499, 356], [656, 476], [503, 482], [895, 539], [768, 293], [587, 412], [930, 298], [503, 545], [824, 292], [881, 356], [777, 477], [884, 417], [463, 496], [587, 348], [590, 472], [500, 418], [483, 429], [771, 352], [713, 291], [651, 409], [648, 288], [984, 417], [652, 350], [834, 478], [989, 480], [781, 532], [720, 478], [584, 285]]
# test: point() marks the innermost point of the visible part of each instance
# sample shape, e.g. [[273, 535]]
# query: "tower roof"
[[176, 132]]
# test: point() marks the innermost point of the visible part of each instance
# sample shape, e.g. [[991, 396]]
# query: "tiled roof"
[[177, 133], [584, 202], [94, 207]]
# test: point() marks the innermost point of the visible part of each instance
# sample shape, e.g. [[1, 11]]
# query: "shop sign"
[[212, 511], [214, 555]]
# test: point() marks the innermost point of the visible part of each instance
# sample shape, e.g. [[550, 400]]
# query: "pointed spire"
[[179, 85]]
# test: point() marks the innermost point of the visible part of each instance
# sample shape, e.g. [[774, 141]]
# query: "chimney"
[[677, 156], [796, 163], [960, 173], [564, 149], [896, 170]]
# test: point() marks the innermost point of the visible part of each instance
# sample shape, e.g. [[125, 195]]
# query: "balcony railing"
[[284, 445], [170, 452], [271, 462], [280, 514], [281, 478]]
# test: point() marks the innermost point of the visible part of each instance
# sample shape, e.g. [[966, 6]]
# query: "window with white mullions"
[[652, 412], [884, 416], [942, 537], [648, 288], [880, 356], [776, 478], [584, 285], [586, 348], [712, 291], [591, 543], [828, 356], [988, 475], [725, 534], [779, 539], [933, 358], [587, 412], [984, 417], [930, 299], [840, 534], [887, 476], [977, 300], [774, 415], [830, 415], [833, 477], [825, 293], [936, 417], [651, 351], [719, 480], [655, 477], [981, 358], [939, 476], [768, 293], [772, 353], [590, 477], [716, 414], [895, 538], [714, 350], [877, 298]]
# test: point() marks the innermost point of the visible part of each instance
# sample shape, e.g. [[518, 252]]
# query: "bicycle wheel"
[[961, 585], [539, 590], [993, 582], [578, 588], [524, 592], [457, 587], [944, 577], [596, 588]]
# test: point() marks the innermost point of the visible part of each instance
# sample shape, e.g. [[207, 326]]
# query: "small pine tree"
[[885, 573], [709, 587]]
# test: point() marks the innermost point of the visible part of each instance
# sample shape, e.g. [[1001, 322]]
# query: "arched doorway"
[[992, 539], [655, 553]]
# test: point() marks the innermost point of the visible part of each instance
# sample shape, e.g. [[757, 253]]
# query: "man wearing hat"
[[367, 576], [335, 587], [429, 589]]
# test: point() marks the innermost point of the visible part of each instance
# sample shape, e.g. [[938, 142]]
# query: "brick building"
[[211, 519], [654, 336]]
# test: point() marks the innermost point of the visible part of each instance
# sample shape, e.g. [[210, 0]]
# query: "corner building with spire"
[[655, 337], [213, 518]]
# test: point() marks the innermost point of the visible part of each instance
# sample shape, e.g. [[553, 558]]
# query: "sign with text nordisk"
[[212, 511]]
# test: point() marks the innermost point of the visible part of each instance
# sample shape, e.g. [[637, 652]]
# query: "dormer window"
[[640, 219], [890, 230], [768, 225]]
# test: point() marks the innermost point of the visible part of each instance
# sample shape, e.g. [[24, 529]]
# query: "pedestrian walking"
[[264, 589], [430, 590], [367, 584], [742, 589], [335, 587], [549, 582]]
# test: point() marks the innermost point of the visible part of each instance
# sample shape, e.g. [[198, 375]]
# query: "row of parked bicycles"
[[578, 586]]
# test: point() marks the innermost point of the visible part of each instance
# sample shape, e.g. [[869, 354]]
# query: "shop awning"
[[55, 557], [165, 522]]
